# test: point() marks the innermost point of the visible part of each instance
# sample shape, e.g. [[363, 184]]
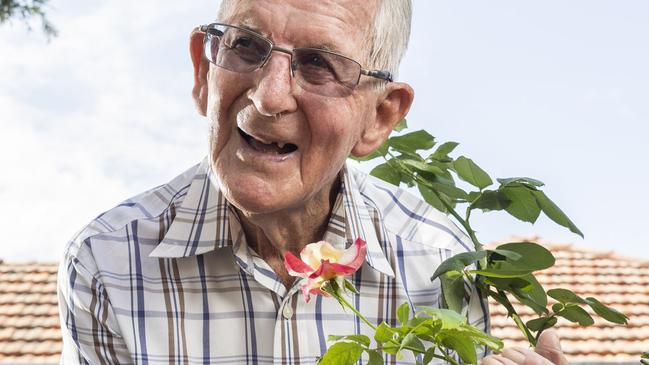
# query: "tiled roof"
[[29, 323], [622, 283]]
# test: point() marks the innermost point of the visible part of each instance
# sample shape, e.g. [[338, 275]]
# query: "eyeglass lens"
[[316, 70]]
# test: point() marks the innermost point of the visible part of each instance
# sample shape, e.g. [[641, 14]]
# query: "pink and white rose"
[[320, 262]]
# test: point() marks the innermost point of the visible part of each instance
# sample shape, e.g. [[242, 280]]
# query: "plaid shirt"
[[167, 278]]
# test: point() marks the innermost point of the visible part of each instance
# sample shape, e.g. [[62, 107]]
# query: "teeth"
[[280, 145]]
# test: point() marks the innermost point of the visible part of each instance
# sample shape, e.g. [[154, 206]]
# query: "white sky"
[[553, 90]]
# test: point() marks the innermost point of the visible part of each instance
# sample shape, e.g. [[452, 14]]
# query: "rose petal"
[[295, 266], [310, 254], [311, 286], [329, 270], [354, 255]]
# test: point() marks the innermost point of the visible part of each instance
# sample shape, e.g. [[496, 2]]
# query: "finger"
[[549, 346], [508, 361], [492, 360], [525, 356]]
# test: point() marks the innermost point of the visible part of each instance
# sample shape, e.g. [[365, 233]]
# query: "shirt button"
[[287, 312]]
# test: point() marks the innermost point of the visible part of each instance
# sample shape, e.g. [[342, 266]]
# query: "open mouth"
[[273, 147]]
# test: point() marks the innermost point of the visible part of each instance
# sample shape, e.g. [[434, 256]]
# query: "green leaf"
[[431, 198], [403, 124], [473, 195], [534, 257], [350, 287], [522, 204], [451, 190], [387, 173], [379, 152], [403, 313], [342, 353], [526, 289], [392, 350], [449, 319], [481, 338], [464, 347], [375, 357], [468, 171], [419, 140], [453, 290], [458, 262], [606, 312], [428, 356], [500, 273], [541, 323], [384, 333], [493, 255], [576, 314], [422, 166], [362, 339], [565, 296], [532, 295], [411, 340], [441, 153], [521, 180], [489, 200], [553, 212]]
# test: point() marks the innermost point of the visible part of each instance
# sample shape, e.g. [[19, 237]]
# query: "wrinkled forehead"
[[337, 25]]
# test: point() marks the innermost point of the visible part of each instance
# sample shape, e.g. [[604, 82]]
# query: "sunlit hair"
[[387, 39]]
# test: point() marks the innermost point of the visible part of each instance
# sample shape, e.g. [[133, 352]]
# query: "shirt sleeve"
[[88, 324]]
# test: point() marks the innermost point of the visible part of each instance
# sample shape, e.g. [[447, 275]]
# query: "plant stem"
[[345, 303], [512, 313], [449, 208]]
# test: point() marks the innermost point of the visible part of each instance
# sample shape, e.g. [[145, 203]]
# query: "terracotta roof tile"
[[617, 281], [29, 323]]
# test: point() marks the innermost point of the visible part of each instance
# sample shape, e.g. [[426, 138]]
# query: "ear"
[[392, 105], [201, 66]]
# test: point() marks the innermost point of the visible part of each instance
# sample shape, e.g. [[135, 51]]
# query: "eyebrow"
[[248, 23]]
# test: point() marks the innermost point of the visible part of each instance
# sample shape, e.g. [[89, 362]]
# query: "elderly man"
[[192, 271]]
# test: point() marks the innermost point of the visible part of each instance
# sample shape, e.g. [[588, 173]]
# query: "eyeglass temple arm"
[[384, 75], [201, 28]]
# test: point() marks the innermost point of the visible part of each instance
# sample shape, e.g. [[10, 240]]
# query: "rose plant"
[[323, 269], [505, 273]]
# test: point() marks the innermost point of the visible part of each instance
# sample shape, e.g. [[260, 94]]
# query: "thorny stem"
[[345, 303], [449, 208], [512, 313]]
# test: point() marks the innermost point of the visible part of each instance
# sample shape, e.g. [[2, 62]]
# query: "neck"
[[270, 235]]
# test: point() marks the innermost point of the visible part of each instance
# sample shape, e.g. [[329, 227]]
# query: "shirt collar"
[[202, 222]]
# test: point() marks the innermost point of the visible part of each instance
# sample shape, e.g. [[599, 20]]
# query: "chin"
[[255, 197]]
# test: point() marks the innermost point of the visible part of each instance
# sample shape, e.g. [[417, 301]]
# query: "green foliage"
[[342, 353], [411, 142], [468, 171], [505, 273], [24, 10]]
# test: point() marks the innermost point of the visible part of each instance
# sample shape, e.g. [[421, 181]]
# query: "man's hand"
[[548, 351]]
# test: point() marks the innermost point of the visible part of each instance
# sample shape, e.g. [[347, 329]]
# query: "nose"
[[273, 92]]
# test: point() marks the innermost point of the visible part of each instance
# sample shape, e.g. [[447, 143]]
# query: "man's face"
[[253, 114]]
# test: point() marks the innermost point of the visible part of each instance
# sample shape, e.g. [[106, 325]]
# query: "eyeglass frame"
[[379, 74]]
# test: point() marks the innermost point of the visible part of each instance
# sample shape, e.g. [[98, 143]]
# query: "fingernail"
[[514, 355]]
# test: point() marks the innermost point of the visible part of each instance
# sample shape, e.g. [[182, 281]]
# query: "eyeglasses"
[[315, 70]]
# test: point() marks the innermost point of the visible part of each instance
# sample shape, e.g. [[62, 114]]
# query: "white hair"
[[387, 38], [389, 35]]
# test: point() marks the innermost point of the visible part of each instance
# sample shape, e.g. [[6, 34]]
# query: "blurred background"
[[553, 90]]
